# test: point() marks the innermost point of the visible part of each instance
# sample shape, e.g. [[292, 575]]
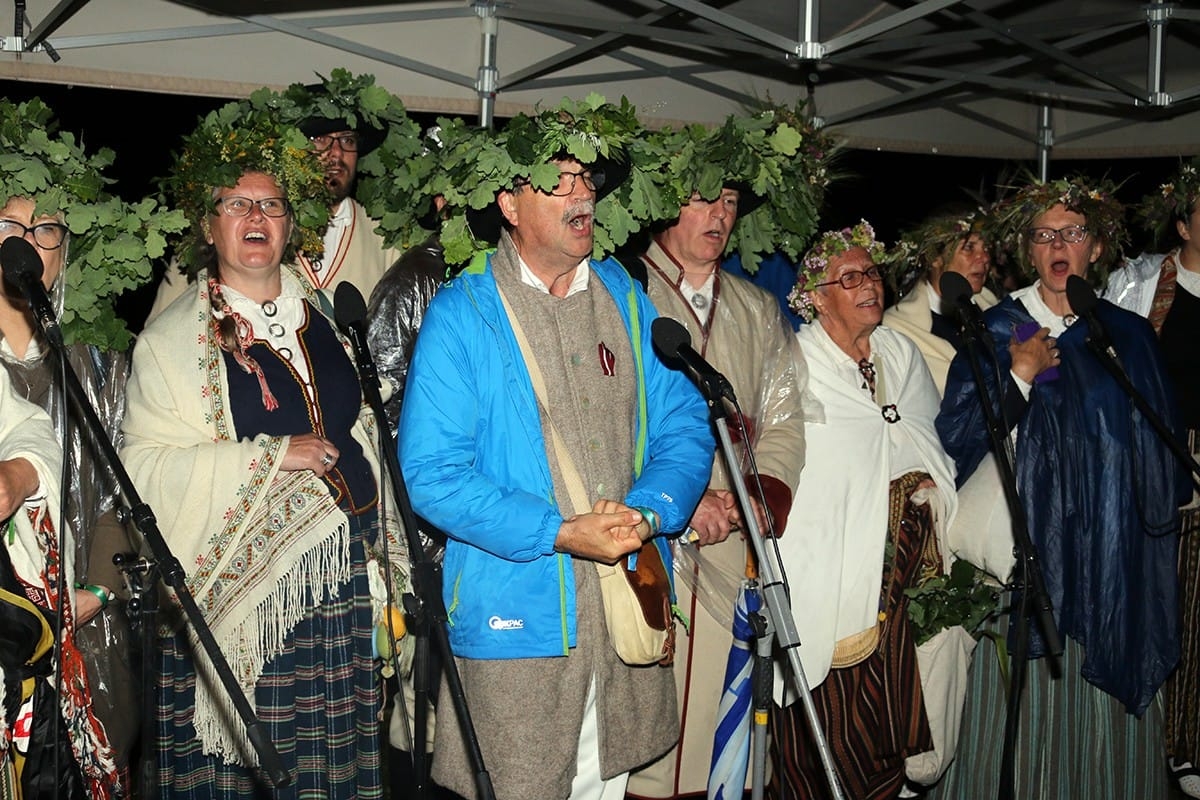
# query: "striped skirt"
[[1182, 689], [318, 701], [1074, 741], [873, 713]]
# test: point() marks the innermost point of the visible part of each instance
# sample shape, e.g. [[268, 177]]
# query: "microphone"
[[1083, 302], [350, 314], [23, 269], [956, 290], [674, 342]]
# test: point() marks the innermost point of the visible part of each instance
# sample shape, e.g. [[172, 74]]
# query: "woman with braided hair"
[[244, 433]]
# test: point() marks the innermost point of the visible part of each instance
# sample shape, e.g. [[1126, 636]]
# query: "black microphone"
[[957, 291], [1083, 300], [23, 269], [350, 314], [674, 342]]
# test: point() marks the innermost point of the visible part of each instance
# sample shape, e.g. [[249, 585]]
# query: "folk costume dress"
[[105, 639], [1100, 492], [281, 563], [863, 528], [34, 570], [737, 328]]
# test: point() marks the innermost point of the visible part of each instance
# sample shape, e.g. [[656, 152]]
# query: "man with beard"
[[739, 329], [492, 460], [353, 251]]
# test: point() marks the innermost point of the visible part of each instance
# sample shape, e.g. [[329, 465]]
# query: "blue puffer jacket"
[[474, 461], [1100, 491]]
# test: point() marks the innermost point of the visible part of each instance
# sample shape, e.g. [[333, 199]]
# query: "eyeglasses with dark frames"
[[46, 235], [593, 179], [347, 141], [1072, 234], [854, 278], [235, 206]]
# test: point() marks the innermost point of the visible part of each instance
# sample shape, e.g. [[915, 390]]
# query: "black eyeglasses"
[[854, 278], [235, 206], [347, 141], [1072, 234], [46, 235], [593, 179]]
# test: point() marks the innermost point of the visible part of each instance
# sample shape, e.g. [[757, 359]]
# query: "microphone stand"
[[779, 617], [424, 605], [171, 570], [1027, 571]]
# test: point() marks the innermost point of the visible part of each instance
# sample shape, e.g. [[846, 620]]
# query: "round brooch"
[[890, 414]]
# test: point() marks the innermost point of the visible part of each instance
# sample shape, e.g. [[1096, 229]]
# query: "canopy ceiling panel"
[[1080, 78]]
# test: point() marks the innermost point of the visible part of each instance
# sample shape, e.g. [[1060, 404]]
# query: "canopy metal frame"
[[943, 53]]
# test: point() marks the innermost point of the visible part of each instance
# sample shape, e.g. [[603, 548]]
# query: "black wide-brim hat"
[[369, 136], [486, 223], [748, 199]]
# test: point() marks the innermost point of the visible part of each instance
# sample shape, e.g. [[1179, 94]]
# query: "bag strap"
[[570, 473]]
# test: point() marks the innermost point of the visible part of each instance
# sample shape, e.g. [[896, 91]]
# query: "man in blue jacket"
[[557, 713]]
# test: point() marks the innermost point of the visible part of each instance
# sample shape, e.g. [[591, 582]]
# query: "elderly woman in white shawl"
[[247, 433], [875, 490]]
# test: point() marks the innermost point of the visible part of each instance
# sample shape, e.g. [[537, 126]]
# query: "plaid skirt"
[[318, 700]]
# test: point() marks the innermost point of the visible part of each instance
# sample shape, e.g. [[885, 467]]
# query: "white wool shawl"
[[833, 547]]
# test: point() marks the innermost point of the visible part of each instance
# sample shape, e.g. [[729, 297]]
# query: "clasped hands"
[[610, 531]]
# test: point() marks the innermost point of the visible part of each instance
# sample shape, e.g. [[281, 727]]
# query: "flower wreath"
[[1173, 201], [912, 257], [240, 137], [1096, 200], [815, 265], [113, 243]]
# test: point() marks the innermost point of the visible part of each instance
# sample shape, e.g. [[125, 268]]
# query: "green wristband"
[[101, 594], [651, 518]]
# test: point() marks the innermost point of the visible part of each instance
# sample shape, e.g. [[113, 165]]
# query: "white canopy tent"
[[1012, 79]]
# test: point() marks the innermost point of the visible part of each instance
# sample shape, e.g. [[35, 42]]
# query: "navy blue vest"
[[338, 399], [1179, 341]]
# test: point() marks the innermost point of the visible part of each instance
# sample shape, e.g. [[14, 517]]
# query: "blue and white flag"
[[731, 742]]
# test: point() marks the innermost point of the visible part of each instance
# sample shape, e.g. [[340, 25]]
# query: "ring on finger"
[[327, 459]]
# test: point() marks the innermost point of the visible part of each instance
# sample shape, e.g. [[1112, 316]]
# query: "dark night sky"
[[892, 190]]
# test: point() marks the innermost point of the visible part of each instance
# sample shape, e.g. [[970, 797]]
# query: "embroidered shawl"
[[260, 545]]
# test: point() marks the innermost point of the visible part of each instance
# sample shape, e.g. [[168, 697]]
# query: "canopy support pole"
[[1157, 14], [1045, 141], [488, 77]]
